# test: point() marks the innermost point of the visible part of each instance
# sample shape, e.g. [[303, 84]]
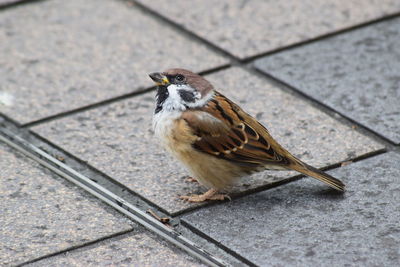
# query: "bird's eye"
[[179, 78]]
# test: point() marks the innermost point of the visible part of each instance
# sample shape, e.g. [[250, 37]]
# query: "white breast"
[[163, 123]]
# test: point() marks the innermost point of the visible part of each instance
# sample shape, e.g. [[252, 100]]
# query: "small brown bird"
[[214, 138]]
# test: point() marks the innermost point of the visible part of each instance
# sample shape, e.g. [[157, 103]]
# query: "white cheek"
[[197, 95], [173, 93], [174, 100]]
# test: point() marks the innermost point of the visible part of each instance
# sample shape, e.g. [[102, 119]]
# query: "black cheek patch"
[[187, 96]]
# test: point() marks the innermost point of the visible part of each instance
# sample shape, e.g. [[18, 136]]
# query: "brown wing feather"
[[226, 131]]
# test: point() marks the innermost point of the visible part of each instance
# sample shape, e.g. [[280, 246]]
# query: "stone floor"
[[322, 76]]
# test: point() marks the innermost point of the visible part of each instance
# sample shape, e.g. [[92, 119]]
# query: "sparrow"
[[214, 138]]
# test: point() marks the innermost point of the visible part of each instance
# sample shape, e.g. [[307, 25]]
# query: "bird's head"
[[180, 89]]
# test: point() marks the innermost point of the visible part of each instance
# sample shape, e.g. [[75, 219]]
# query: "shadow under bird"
[[214, 138]]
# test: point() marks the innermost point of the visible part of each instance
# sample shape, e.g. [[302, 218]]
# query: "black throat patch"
[[162, 95]]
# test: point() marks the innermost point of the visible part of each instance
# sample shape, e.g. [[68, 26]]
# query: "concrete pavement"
[[322, 76]]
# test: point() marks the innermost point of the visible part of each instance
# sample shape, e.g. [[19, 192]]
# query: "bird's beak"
[[159, 78]]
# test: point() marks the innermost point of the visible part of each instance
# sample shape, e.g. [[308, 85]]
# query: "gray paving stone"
[[356, 73], [300, 224], [42, 214], [134, 249], [117, 138], [60, 55], [247, 28]]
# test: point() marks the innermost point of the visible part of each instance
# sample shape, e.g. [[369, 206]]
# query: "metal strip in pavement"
[[108, 197]]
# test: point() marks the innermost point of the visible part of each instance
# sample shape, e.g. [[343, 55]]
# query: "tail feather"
[[320, 175]]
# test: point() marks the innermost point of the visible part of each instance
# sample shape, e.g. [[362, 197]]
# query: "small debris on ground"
[[345, 163], [60, 158], [164, 220], [189, 179]]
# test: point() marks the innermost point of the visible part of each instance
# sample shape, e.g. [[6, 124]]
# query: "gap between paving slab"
[[72, 248], [134, 248], [320, 38], [5, 4]]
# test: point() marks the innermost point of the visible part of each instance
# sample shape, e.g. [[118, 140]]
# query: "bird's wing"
[[225, 131]]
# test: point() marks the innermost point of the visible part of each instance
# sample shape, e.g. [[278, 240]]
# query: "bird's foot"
[[191, 180], [211, 194]]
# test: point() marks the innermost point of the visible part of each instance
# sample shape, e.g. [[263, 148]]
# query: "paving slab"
[[42, 214], [301, 224], [134, 249], [247, 28], [61, 55], [117, 139], [356, 73]]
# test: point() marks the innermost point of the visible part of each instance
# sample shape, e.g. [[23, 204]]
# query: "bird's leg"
[[191, 180], [211, 194]]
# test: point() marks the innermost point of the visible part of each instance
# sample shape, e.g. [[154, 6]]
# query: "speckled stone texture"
[[247, 28], [117, 139], [300, 224], [68, 54], [133, 249], [356, 73], [42, 214]]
